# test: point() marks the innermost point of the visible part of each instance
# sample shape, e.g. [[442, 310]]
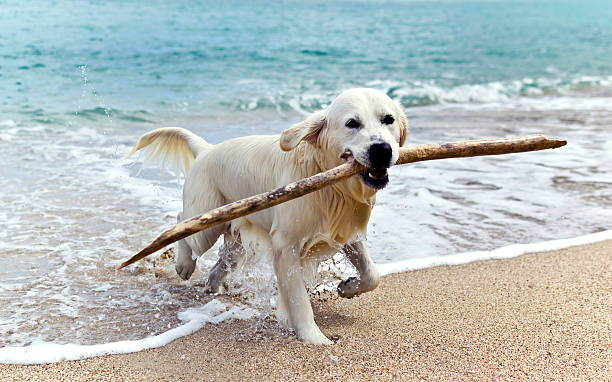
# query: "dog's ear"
[[307, 130], [403, 122]]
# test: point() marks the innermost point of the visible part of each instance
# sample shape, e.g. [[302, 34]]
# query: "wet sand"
[[545, 316]]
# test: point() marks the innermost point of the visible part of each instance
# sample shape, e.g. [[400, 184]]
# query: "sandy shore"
[[545, 316]]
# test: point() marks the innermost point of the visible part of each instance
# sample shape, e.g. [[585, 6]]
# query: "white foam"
[[506, 252], [543, 103], [515, 93], [44, 352], [8, 123]]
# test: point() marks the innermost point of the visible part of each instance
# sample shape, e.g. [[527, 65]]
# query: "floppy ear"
[[307, 130], [403, 122]]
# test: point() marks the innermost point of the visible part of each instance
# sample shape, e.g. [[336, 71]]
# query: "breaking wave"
[[422, 93]]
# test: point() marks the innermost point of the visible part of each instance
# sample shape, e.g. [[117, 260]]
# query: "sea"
[[80, 81]]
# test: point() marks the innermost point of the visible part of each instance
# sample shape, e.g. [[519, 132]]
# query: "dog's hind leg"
[[192, 247], [185, 261], [231, 254], [368, 277]]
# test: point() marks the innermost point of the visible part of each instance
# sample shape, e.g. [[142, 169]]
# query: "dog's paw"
[[349, 288], [214, 285], [185, 268], [315, 337], [213, 289]]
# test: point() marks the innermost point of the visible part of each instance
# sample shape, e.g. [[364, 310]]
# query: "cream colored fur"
[[173, 147], [314, 226]]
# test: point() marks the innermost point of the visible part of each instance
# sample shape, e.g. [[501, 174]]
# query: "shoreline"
[[543, 315], [216, 311]]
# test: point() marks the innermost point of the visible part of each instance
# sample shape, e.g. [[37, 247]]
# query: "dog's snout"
[[380, 155]]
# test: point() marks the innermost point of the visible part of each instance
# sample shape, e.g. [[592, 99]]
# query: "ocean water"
[[81, 81]]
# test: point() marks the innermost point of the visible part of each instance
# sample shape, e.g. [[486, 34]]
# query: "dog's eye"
[[352, 123], [388, 119]]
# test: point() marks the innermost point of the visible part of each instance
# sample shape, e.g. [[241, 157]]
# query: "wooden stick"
[[305, 186]]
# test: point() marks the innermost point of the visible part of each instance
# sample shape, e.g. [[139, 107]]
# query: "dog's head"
[[365, 123]]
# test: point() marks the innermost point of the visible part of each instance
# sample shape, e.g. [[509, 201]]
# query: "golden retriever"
[[360, 124]]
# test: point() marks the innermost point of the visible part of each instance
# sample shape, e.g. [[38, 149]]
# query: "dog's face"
[[363, 123]]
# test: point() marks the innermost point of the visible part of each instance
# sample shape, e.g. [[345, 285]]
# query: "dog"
[[363, 125]]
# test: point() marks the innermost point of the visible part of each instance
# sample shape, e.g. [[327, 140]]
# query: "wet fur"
[[317, 225]]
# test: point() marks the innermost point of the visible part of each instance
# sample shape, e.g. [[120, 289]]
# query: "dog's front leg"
[[367, 278], [294, 297]]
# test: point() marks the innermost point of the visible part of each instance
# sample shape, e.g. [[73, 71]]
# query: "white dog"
[[363, 122]]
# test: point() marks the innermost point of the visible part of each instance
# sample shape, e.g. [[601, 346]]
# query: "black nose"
[[380, 155]]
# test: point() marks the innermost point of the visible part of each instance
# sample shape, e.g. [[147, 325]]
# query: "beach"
[[541, 316], [84, 80], [91, 78]]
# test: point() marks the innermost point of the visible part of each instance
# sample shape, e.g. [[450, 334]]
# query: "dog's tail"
[[171, 146]]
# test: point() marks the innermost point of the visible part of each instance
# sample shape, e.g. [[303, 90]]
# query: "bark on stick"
[[305, 186]]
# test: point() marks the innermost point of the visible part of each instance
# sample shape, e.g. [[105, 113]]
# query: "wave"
[[138, 116], [216, 311], [419, 93], [424, 93]]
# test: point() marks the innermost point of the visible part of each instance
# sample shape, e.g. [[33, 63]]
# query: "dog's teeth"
[[379, 174]]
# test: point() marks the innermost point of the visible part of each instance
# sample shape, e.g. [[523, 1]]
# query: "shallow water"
[[73, 211], [81, 81]]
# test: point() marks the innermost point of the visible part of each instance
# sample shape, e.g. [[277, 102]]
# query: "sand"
[[545, 316]]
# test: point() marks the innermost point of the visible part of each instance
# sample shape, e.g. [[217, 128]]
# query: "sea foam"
[[505, 252], [213, 312]]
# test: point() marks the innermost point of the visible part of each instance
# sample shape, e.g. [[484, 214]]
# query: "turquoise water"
[[80, 81], [211, 59]]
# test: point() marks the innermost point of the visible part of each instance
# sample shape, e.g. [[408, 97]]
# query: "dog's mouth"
[[376, 177]]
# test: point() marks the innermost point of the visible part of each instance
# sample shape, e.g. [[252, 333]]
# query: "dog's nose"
[[380, 155]]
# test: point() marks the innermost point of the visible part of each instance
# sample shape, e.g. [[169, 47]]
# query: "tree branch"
[[305, 186]]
